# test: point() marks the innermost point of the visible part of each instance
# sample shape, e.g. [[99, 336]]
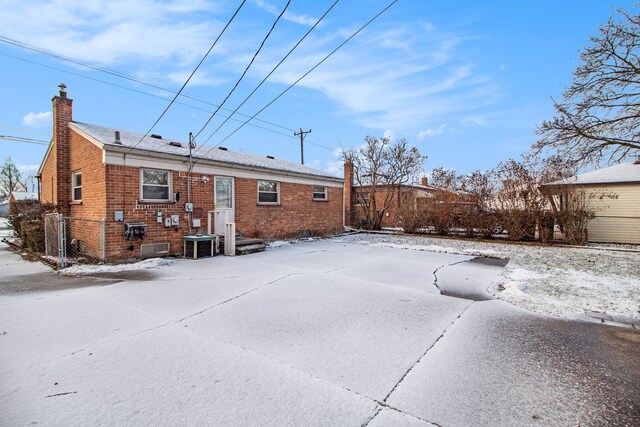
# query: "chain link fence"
[[70, 240]]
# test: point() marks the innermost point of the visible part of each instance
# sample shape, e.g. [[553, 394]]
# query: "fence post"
[[102, 240], [62, 241]]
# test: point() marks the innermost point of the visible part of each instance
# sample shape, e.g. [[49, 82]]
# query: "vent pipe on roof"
[[117, 138], [270, 157], [62, 93], [222, 148], [155, 136]]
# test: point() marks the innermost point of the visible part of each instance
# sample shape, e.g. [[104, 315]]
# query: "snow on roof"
[[623, 172], [106, 136], [24, 195]]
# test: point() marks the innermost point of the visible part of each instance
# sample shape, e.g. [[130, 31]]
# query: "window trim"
[[362, 194], [74, 174], [277, 192], [325, 193], [169, 185]]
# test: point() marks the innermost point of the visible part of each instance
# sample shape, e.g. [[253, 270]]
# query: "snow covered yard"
[[322, 332], [558, 281]]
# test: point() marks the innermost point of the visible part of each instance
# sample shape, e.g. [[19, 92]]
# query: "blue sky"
[[466, 81]]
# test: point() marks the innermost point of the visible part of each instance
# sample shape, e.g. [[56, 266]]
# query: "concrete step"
[[249, 249]]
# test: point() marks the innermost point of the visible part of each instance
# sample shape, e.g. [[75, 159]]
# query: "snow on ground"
[[558, 281], [116, 268]]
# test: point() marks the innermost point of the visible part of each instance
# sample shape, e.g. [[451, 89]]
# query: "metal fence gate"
[[70, 239]]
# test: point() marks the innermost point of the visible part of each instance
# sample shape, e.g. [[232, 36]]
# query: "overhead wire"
[[269, 75], [305, 74], [244, 73], [191, 75], [23, 139], [146, 93], [115, 73]]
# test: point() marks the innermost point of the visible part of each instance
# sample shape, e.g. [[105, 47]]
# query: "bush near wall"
[[26, 218]]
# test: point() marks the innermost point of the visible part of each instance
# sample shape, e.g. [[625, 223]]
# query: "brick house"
[[103, 175], [415, 194]]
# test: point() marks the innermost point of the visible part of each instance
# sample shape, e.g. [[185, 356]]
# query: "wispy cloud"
[[422, 135], [289, 16], [106, 32], [395, 79], [37, 119]]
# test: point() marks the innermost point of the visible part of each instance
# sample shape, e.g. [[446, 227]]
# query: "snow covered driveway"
[[314, 333]]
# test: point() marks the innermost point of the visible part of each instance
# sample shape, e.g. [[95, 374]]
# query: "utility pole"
[[302, 134]]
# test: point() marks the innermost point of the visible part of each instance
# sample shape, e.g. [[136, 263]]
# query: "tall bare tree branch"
[[597, 120]]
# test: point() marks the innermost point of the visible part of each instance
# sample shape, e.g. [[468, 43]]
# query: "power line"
[[191, 75], [244, 73], [270, 73], [116, 73], [145, 93], [305, 74], [23, 139]]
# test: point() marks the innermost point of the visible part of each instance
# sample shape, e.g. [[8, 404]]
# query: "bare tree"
[[518, 199], [10, 179], [380, 168], [598, 119]]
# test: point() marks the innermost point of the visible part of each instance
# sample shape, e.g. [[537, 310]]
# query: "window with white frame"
[[319, 192], [362, 198], [268, 192], [76, 186], [155, 185]]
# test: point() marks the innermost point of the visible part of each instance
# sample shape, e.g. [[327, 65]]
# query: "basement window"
[[319, 192], [155, 185], [268, 192], [76, 186]]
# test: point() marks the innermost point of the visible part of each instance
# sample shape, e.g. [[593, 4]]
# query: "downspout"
[[344, 206], [191, 147]]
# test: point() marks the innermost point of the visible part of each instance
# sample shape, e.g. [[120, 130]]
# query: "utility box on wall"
[[135, 230]]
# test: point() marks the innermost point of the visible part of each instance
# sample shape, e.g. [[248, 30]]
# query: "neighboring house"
[[4, 209], [414, 194], [16, 197], [95, 173], [614, 194]]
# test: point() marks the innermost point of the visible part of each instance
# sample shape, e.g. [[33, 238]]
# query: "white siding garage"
[[614, 194]]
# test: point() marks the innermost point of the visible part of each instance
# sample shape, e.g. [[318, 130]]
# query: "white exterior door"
[[224, 203]]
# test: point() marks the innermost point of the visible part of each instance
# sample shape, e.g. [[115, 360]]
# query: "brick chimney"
[[425, 181], [62, 115], [348, 193]]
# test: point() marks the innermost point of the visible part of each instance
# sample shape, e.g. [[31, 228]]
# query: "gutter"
[[169, 156]]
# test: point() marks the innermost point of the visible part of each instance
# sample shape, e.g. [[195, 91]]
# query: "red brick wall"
[[390, 219], [124, 195], [296, 211], [85, 225]]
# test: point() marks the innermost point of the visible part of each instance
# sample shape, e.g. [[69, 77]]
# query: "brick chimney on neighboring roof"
[[62, 115], [425, 181]]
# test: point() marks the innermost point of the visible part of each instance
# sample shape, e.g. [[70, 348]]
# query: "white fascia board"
[[86, 136], [204, 167]]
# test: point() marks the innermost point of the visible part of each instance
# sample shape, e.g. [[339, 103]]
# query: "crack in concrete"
[[237, 296], [435, 278], [425, 353], [368, 420], [344, 266]]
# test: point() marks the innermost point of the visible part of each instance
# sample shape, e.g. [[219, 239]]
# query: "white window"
[[76, 186], [268, 192], [155, 185], [319, 192], [362, 198]]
